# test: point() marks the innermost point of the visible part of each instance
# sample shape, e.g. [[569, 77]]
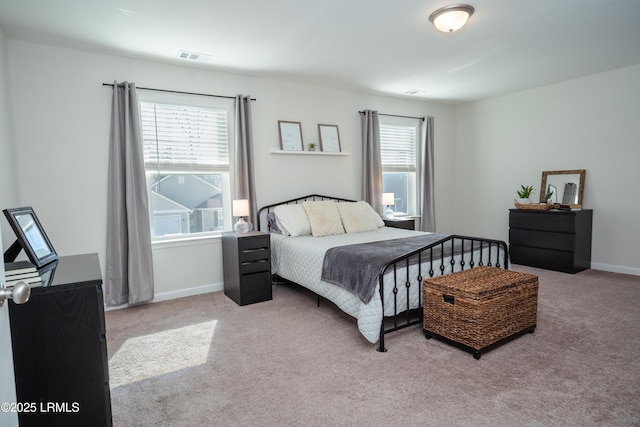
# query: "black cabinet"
[[247, 267], [60, 349], [554, 240]]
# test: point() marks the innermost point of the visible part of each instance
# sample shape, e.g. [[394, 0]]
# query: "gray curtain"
[[129, 264], [426, 207], [371, 162], [245, 182]]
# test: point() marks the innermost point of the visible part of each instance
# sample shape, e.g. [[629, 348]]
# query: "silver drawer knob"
[[19, 293]]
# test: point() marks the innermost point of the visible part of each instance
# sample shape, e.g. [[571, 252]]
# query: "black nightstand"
[[407, 223], [247, 267]]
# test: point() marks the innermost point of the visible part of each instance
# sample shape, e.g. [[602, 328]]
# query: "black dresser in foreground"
[[554, 240], [59, 347], [247, 266]]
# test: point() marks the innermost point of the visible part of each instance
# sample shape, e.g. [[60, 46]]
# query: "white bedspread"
[[300, 259]]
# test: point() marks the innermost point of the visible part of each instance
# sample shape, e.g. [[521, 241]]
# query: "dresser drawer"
[[543, 258], [545, 221], [543, 239]]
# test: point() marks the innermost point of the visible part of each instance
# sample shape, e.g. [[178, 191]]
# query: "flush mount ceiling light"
[[451, 18]]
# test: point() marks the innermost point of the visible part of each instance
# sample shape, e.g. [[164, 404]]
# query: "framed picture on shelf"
[[329, 138], [31, 237], [290, 135]]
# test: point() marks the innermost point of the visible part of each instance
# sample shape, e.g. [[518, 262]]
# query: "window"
[[186, 156], [398, 157]]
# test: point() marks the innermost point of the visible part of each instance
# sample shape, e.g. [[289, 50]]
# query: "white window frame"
[[229, 182], [404, 167]]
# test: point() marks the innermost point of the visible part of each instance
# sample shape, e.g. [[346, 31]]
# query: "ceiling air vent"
[[192, 56]]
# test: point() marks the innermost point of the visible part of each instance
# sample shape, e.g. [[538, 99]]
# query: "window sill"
[[187, 241]]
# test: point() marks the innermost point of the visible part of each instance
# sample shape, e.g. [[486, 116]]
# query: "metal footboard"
[[448, 255], [460, 253]]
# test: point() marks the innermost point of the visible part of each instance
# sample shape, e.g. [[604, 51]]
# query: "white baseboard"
[[616, 268], [165, 296]]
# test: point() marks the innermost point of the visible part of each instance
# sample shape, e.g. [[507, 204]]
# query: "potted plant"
[[312, 146], [524, 193], [547, 197]]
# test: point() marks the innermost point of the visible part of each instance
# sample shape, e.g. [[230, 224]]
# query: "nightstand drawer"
[[250, 243], [249, 255], [256, 288], [251, 267]]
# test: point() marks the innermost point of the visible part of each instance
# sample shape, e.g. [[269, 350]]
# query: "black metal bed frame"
[[470, 251]]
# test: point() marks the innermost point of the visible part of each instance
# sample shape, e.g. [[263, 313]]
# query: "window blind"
[[398, 148], [179, 138]]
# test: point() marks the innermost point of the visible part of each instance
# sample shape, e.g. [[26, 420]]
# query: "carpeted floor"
[[205, 361]]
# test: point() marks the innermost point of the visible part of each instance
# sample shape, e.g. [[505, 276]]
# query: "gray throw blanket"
[[356, 267]]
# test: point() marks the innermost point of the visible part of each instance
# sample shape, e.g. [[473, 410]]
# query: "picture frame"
[[290, 135], [30, 236], [329, 138]]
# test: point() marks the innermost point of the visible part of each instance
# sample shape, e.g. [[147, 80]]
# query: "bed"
[[341, 250]]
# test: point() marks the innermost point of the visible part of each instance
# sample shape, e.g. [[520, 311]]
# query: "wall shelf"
[[312, 153]]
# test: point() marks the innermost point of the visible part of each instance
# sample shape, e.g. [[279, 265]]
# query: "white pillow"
[[376, 216], [358, 217], [292, 220], [324, 218]]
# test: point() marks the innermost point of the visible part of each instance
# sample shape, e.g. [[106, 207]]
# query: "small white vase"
[[524, 201]]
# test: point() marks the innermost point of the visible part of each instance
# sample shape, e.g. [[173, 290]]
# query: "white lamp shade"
[[451, 18], [388, 199], [241, 207]]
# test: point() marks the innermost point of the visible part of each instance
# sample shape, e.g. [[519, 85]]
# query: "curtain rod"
[[395, 115], [182, 93]]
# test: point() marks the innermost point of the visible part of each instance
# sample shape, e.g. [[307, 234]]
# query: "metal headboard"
[[263, 223]]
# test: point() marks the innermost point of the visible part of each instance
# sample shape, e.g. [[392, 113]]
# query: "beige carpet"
[[204, 361]]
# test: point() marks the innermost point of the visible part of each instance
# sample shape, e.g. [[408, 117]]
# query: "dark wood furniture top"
[[406, 223], [552, 239], [60, 349], [247, 266]]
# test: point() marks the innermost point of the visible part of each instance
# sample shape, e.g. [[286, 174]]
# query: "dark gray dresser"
[[554, 240], [60, 348]]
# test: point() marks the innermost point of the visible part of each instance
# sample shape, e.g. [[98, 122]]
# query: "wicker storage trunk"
[[479, 308]]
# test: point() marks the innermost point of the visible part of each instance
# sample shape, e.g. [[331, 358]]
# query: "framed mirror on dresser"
[[564, 187]]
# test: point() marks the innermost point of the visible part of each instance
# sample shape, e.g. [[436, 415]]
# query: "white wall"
[[62, 118], [7, 195], [484, 151], [590, 123]]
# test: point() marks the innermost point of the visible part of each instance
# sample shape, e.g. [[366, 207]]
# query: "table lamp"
[[240, 210], [388, 199]]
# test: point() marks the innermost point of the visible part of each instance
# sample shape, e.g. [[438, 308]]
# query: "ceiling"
[[376, 46]]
